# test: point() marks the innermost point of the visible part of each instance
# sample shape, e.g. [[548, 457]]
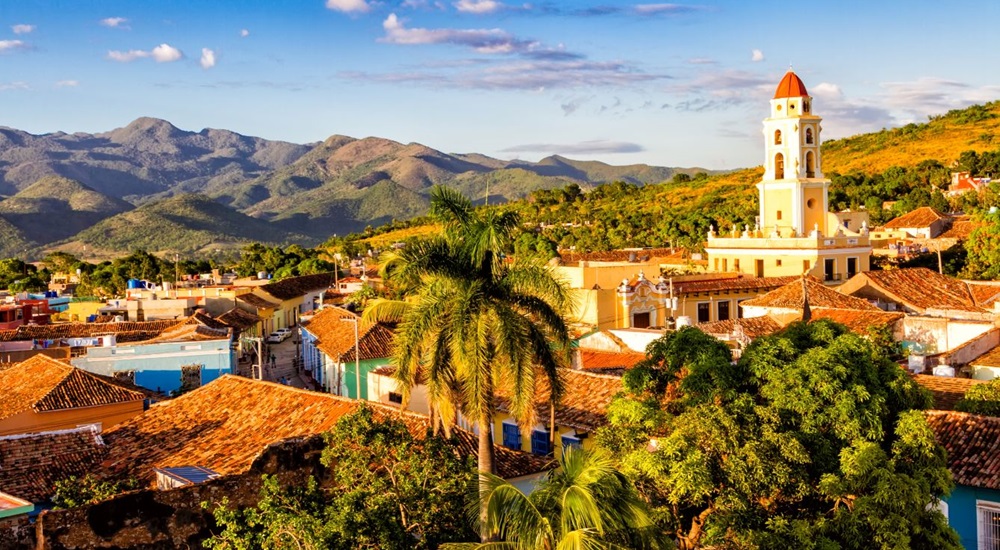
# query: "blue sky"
[[625, 82]]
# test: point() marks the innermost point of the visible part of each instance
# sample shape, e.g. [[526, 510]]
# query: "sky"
[[670, 84]]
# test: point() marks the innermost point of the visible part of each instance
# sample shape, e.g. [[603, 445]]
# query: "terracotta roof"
[[202, 318], [858, 321], [239, 319], [988, 359], [257, 302], [961, 228], [42, 384], [335, 337], [947, 390], [190, 333], [733, 283], [669, 254], [923, 288], [985, 293], [752, 327], [226, 424], [31, 464], [921, 217], [790, 86], [973, 445], [789, 296], [61, 331], [596, 360], [585, 400], [293, 287]]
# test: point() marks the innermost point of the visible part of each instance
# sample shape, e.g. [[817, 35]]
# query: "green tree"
[[586, 503], [812, 440], [78, 491], [983, 248], [383, 489], [981, 399], [472, 320]]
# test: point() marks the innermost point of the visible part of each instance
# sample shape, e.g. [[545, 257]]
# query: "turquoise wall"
[[350, 380], [158, 366], [962, 511]]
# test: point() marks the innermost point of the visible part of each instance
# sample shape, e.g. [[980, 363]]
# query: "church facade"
[[795, 232]]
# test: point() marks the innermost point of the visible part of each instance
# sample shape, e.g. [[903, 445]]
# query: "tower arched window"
[[809, 136], [779, 166], [777, 137], [810, 165]]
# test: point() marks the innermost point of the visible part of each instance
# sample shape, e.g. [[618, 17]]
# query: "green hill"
[[54, 208], [185, 223]]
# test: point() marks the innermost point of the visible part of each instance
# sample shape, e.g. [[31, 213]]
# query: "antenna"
[[487, 192]]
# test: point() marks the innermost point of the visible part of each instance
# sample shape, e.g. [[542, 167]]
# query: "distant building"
[[963, 182], [328, 344]]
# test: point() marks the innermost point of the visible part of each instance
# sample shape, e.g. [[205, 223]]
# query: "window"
[[779, 214], [811, 203], [988, 524], [777, 263], [809, 134], [736, 264], [852, 267], [758, 268], [571, 441], [640, 320], [779, 166], [511, 435], [810, 170], [777, 137], [805, 108], [396, 398], [725, 265], [723, 311], [540, 444], [830, 269], [704, 312], [190, 378]]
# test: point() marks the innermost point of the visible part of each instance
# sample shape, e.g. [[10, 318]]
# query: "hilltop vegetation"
[[76, 207]]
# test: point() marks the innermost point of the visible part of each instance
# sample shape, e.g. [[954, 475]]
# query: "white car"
[[275, 338], [285, 333]]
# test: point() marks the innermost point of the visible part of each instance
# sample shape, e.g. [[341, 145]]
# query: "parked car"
[[275, 338], [286, 333]]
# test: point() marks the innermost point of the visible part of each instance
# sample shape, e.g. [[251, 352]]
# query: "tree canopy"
[[812, 440]]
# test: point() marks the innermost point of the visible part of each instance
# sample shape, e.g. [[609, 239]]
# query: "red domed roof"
[[790, 86]]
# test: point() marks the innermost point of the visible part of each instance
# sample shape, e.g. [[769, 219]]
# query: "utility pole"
[[357, 356]]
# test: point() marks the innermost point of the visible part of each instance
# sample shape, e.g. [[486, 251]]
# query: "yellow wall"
[[816, 215], [79, 311], [587, 442], [105, 415], [774, 200]]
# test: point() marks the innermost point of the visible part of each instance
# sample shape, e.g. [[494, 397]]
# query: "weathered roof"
[[226, 424], [190, 333], [567, 257], [750, 327], [239, 319], [335, 336], [257, 302], [858, 321], [961, 228], [42, 384], [919, 218], [293, 287], [732, 283], [61, 331], [597, 360], [988, 359], [947, 390], [789, 296], [923, 288], [31, 464], [202, 318], [585, 400], [985, 293], [973, 445]]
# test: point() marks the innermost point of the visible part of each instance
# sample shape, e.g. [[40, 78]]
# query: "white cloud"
[[165, 53], [207, 58], [67, 83], [490, 41], [757, 55], [657, 9], [19, 85], [826, 90], [593, 147], [348, 6], [244, 33], [11, 45], [22, 29], [478, 6], [115, 22]]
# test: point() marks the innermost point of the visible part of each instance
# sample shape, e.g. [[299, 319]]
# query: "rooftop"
[[789, 296], [919, 218], [922, 288], [988, 359], [790, 86], [947, 390], [973, 445], [602, 361], [676, 255], [256, 301], [585, 400], [239, 319], [293, 287], [752, 327], [734, 283], [226, 424], [858, 321], [30, 464], [42, 384], [126, 331], [335, 337]]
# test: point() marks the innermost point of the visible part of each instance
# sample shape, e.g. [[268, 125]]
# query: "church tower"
[[795, 232]]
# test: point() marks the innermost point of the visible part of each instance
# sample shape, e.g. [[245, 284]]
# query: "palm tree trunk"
[[486, 465]]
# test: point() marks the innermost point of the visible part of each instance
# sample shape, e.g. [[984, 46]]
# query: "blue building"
[[973, 445], [185, 358], [328, 344]]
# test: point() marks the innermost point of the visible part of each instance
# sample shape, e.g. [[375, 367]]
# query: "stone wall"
[[151, 519]]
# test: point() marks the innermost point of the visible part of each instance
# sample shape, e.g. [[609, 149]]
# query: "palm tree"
[[472, 320], [586, 503]]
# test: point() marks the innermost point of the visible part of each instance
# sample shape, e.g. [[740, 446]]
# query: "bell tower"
[[793, 192]]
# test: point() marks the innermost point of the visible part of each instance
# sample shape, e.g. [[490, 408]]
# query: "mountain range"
[[154, 186]]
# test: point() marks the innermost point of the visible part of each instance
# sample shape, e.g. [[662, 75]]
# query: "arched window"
[[805, 106], [779, 167], [810, 169], [809, 136], [777, 137]]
